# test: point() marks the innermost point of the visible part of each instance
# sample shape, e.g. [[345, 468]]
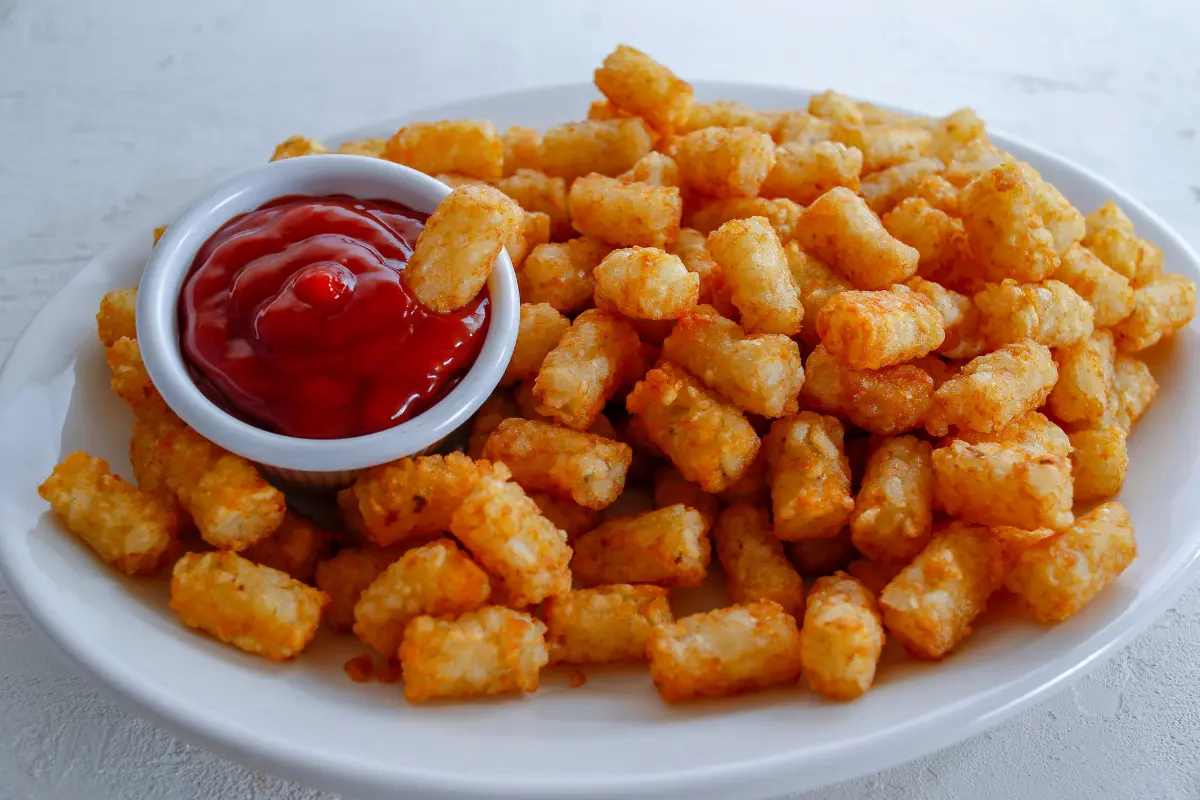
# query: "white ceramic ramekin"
[[309, 463]]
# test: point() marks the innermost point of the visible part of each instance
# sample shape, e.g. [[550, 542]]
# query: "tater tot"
[[608, 147], [583, 371], [939, 193], [671, 488], [509, 536], [725, 162], [296, 547], [645, 283], [743, 648], [994, 389], [761, 374], [571, 464], [1031, 429], [1063, 220], [886, 401], [709, 214], [710, 442], [131, 382], [1049, 312], [884, 146], [992, 483], [1086, 388], [537, 192], [723, 114], [875, 575], [296, 146], [815, 283], [1061, 574], [1004, 227], [466, 146], [1108, 215], [841, 638], [810, 477], [818, 557], [884, 189], [757, 273], [437, 579], [567, 515], [604, 624], [837, 107], [638, 84], [955, 131], [755, 565], [974, 159], [938, 238], [539, 331], [497, 408], [346, 575], [1160, 309], [893, 513], [254, 608], [753, 487], [1099, 462], [491, 651], [692, 249], [130, 529], [535, 230], [841, 230], [522, 149], [930, 606], [656, 169], [560, 274], [458, 245], [1136, 389], [117, 317], [231, 504], [666, 547], [413, 496], [872, 330], [149, 470], [625, 213], [960, 319], [1105, 289], [1137, 259], [805, 172], [800, 127], [371, 148]]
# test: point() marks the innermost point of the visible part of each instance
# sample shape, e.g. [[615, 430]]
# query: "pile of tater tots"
[[875, 370]]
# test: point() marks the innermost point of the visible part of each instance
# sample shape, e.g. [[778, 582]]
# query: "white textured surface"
[[111, 112]]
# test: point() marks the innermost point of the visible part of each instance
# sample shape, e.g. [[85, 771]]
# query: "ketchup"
[[295, 317]]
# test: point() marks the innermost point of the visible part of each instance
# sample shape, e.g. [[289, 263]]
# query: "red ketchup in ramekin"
[[295, 317]]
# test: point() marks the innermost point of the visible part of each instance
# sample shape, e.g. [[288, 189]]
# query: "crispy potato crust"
[[458, 245], [810, 477], [841, 230], [930, 606], [254, 608], [491, 651], [578, 466], [130, 529], [710, 442], [466, 146], [994, 389], [1061, 574], [757, 273], [755, 565], [604, 624], [1003, 484], [437, 579], [743, 648], [893, 513], [841, 638], [666, 547], [509, 536], [872, 330]]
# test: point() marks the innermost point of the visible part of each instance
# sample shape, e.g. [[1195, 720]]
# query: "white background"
[[113, 112]]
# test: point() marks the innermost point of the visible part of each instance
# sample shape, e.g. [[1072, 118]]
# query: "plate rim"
[[941, 727]]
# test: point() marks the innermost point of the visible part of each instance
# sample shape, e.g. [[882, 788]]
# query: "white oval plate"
[[613, 737]]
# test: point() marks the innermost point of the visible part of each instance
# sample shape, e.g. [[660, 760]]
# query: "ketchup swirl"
[[295, 317]]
